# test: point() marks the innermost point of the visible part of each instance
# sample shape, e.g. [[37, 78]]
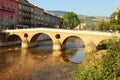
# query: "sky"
[[83, 7]]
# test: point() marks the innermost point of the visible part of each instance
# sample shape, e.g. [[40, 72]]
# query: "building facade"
[[38, 17], [22, 13], [8, 14], [52, 20], [25, 14]]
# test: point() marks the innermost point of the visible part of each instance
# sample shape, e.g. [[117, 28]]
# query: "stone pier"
[[57, 45]]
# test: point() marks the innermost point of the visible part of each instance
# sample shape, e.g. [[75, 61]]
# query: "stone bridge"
[[58, 36]]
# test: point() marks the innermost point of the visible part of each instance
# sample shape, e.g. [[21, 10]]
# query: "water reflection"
[[75, 47], [8, 58], [17, 56], [78, 57], [68, 56]]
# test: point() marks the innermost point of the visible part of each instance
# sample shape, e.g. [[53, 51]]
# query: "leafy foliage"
[[104, 44], [71, 20], [118, 15], [115, 21], [113, 25], [112, 18], [89, 73], [107, 69], [103, 26], [111, 62]]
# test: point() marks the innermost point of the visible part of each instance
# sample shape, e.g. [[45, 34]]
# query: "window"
[[14, 16], [6, 5], [11, 5], [32, 9], [1, 4], [20, 6], [11, 17], [15, 7], [7, 16]]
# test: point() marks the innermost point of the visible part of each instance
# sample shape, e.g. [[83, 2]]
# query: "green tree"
[[118, 16], [115, 21], [103, 26], [114, 27], [113, 18], [71, 20]]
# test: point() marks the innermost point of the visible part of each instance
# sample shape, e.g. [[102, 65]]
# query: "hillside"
[[91, 21], [58, 13]]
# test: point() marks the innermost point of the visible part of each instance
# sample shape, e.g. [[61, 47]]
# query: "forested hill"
[[91, 21]]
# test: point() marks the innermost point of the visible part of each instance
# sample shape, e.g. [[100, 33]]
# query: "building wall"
[[15, 13], [25, 13], [52, 20], [38, 17], [8, 14]]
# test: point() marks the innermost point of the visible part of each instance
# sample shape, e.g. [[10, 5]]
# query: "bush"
[[109, 68], [111, 62], [88, 73]]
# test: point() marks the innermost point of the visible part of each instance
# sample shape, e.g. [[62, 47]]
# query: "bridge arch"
[[72, 36], [104, 44], [13, 40], [13, 37], [33, 39]]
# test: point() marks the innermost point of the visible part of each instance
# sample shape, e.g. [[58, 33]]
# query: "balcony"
[[26, 16], [25, 10], [7, 9]]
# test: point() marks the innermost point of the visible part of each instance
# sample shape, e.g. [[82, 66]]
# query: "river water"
[[11, 56]]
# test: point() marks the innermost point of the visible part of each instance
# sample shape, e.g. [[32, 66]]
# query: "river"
[[13, 59]]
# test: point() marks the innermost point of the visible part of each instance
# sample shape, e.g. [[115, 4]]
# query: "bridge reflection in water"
[[17, 56]]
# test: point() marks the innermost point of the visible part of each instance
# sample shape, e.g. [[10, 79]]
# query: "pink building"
[[8, 14]]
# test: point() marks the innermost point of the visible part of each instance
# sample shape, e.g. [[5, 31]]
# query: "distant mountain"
[[90, 21], [58, 13]]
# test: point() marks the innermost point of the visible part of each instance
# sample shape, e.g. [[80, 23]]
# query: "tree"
[[118, 16], [103, 26], [114, 27], [71, 20], [113, 18], [115, 21]]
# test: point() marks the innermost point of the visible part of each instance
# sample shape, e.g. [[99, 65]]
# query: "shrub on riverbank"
[[111, 62], [106, 68]]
